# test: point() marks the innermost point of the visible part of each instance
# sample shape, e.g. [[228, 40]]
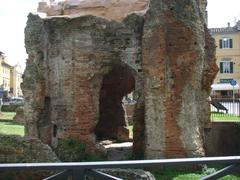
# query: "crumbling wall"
[[99, 8], [222, 139], [76, 54], [175, 57], [168, 52]]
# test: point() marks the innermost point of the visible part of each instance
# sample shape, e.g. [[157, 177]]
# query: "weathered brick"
[[79, 68]]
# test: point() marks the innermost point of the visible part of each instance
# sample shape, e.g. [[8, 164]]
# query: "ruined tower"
[[83, 61]]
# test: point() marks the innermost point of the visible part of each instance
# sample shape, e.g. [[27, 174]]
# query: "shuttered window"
[[226, 67], [225, 43]]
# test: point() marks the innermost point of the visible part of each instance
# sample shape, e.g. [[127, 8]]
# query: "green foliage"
[[94, 157], [9, 108], [72, 150], [136, 156], [7, 142], [169, 173]]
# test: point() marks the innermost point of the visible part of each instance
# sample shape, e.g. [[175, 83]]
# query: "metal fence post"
[[78, 174]]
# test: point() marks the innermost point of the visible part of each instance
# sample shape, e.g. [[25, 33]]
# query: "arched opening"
[[116, 85]]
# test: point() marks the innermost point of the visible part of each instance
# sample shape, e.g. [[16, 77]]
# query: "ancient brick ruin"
[[84, 58]]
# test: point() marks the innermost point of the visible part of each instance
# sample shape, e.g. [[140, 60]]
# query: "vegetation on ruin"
[[8, 126], [174, 174], [71, 150]]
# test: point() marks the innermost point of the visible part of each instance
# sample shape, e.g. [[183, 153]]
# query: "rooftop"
[[227, 29]]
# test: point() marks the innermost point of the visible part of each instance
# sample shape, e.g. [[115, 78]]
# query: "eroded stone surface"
[[169, 55], [65, 72], [119, 151], [14, 149], [175, 55], [110, 9]]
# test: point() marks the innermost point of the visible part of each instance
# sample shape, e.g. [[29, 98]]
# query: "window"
[[225, 43], [226, 67]]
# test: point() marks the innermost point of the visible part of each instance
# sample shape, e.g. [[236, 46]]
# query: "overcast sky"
[[13, 17]]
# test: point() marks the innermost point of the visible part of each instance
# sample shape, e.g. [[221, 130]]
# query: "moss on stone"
[[71, 150]]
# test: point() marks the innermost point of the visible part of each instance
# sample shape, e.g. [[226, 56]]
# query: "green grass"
[[130, 128], [173, 174], [7, 115], [8, 127], [224, 117]]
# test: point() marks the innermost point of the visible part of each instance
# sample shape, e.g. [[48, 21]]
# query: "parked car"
[[16, 101]]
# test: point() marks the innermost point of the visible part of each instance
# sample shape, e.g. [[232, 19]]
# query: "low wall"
[[222, 139]]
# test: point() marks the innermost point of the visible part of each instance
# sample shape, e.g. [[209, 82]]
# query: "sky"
[[220, 12], [13, 17]]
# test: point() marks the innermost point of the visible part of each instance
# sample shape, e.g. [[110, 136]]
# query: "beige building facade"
[[10, 78], [228, 57], [16, 80]]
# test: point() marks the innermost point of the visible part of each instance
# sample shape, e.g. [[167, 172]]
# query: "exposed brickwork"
[[121, 8], [182, 59], [174, 61], [173, 144], [79, 69], [211, 67], [118, 83], [75, 68]]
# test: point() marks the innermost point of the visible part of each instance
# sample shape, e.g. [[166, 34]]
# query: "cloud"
[[13, 19], [220, 12]]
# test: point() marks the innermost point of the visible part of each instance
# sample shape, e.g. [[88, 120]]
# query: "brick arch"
[[115, 85]]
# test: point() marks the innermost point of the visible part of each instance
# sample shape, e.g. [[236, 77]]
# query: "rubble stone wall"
[[175, 57], [169, 54], [111, 9], [76, 55], [222, 139]]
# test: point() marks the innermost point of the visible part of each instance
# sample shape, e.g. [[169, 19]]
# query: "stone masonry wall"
[[100, 8], [77, 53], [168, 52], [222, 139], [175, 54]]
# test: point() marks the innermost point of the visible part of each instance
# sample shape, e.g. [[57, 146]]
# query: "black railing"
[[225, 109], [79, 171]]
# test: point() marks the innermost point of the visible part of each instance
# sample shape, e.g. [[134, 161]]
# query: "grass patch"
[[8, 127], [7, 115], [224, 117], [130, 128], [173, 174]]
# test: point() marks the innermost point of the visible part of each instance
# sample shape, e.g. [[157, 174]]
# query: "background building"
[[10, 78], [228, 58], [16, 80]]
